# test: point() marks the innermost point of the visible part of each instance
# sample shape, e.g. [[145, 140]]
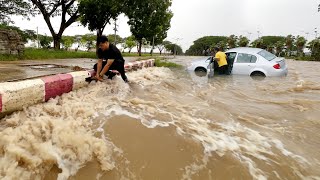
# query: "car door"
[[244, 64], [231, 57]]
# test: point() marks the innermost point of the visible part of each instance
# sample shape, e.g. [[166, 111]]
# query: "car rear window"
[[267, 55]]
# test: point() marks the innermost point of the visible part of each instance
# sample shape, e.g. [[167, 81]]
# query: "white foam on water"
[[155, 123], [217, 137], [60, 133]]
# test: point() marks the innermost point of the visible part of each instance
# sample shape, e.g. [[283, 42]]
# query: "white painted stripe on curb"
[[17, 95], [78, 79]]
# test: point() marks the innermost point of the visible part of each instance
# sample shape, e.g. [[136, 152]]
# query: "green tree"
[[112, 38], [268, 42], [300, 44], [314, 47], [279, 47], [272, 40], [232, 41], [67, 41], [222, 45], [13, 7], [202, 46], [258, 43], [130, 43], [45, 41], [148, 19], [289, 44], [145, 44], [161, 34], [174, 49], [87, 40], [162, 46], [96, 14], [66, 9], [243, 41], [25, 34]]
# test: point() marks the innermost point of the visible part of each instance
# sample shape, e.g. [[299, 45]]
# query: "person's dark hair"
[[216, 49], [103, 39]]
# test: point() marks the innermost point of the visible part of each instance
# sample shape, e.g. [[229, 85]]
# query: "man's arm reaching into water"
[[99, 67]]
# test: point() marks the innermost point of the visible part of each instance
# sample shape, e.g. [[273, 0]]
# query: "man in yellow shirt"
[[221, 59]]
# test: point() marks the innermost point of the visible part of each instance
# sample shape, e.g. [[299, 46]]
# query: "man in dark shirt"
[[114, 60]]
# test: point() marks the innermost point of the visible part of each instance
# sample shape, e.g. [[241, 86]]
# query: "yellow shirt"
[[222, 58]]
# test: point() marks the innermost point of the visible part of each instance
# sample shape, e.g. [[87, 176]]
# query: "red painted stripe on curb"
[[0, 103], [92, 72], [57, 85], [66, 82]]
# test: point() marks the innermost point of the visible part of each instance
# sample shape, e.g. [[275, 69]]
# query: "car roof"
[[245, 50]]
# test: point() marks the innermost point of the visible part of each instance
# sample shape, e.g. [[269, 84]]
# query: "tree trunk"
[[129, 51], [140, 46], [56, 42], [160, 52], [99, 34]]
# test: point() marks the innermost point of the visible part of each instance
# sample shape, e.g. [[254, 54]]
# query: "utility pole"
[[249, 33], [316, 34], [38, 37], [115, 31], [152, 46], [258, 34], [175, 46], [307, 35]]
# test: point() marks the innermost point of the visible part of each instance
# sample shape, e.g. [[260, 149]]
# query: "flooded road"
[[170, 124]]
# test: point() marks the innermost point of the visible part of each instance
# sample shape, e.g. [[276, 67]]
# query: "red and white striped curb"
[[17, 95]]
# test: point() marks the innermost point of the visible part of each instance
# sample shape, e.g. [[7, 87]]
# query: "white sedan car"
[[246, 61]]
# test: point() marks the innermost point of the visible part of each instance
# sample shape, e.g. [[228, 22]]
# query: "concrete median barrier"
[[15, 96]]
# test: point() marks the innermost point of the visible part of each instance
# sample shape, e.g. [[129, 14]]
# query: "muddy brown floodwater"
[[171, 124]]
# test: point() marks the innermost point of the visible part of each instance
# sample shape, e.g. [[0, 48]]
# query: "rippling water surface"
[[170, 124]]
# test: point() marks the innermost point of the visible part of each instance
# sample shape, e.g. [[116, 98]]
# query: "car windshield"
[[268, 56]]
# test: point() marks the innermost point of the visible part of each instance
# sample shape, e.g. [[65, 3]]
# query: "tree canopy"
[[130, 43], [203, 45], [66, 9], [112, 38], [314, 47], [13, 7], [25, 34], [96, 14], [163, 45], [148, 19], [243, 41], [174, 49]]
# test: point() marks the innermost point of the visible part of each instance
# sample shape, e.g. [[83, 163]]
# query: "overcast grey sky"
[[196, 18]]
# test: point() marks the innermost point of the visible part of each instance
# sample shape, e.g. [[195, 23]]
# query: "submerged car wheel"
[[257, 75], [200, 71]]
